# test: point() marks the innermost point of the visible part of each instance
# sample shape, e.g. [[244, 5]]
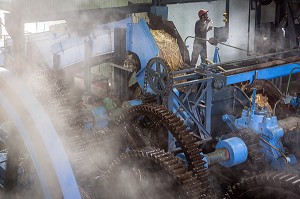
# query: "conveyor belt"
[[261, 66]]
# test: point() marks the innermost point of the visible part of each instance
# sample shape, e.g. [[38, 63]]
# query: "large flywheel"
[[32, 128], [90, 151]]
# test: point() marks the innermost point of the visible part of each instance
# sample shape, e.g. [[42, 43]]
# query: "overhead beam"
[[183, 1], [101, 14]]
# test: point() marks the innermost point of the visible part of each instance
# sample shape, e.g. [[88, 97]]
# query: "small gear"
[[159, 76]]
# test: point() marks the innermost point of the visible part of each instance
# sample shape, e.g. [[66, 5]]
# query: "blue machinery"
[[188, 93], [194, 104]]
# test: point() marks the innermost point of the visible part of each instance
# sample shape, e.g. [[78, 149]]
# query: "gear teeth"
[[185, 138], [167, 158], [175, 120], [179, 128], [191, 181], [179, 172], [285, 181], [190, 141], [171, 162], [175, 166], [148, 98], [171, 165]]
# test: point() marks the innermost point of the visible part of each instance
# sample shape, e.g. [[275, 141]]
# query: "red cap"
[[202, 12]]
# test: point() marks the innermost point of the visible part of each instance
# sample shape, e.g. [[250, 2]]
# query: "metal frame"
[[194, 105], [266, 73]]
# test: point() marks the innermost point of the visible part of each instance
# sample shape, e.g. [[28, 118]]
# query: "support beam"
[[183, 1], [99, 14]]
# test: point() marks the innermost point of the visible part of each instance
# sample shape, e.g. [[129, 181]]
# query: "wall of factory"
[[184, 17]]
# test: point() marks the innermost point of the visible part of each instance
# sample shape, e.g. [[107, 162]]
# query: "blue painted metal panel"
[[295, 102], [41, 42], [71, 42], [217, 58], [278, 71], [266, 73], [268, 130], [24, 134], [72, 50], [140, 41], [100, 117], [103, 43], [233, 79]]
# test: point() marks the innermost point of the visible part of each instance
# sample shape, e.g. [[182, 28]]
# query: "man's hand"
[[209, 28]]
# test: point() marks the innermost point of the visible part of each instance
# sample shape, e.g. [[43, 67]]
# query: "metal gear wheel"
[[150, 173], [145, 122], [275, 185], [159, 76]]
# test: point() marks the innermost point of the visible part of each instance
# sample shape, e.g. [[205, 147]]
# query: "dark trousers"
[[198, 49]]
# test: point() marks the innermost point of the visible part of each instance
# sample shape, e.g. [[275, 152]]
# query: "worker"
[[201, 29]]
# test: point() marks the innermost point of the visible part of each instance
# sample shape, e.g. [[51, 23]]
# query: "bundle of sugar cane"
[[169, 49], [262, 101]]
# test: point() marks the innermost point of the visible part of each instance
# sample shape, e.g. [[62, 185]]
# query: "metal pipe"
[[253, 101], [257, 22], [227, 11], [249, 21], [219, 155], [258, 55], [87, 69]]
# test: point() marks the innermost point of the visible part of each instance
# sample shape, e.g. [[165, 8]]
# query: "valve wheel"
[[159, 75]]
